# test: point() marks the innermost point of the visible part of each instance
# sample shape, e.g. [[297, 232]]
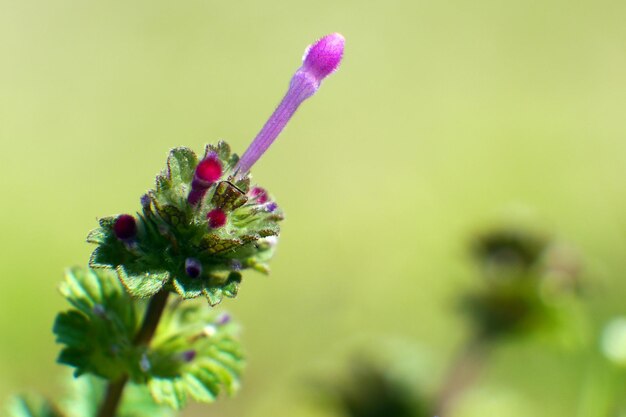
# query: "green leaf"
[[142, 285], [98, 332], [168, 391], [193, 354], [32, 406], [181, 165], [214, 288], [215, 365]]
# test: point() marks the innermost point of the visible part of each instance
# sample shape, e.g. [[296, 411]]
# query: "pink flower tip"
[[260, 194], [324, 56], [209, 170]]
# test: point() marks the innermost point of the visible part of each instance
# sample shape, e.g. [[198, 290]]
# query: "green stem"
[[115, 389], [112, 397], [463, 373]]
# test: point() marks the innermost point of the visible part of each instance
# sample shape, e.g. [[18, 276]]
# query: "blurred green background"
[[444, 117]]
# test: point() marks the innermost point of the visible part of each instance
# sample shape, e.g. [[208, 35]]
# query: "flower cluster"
[[196, 231], [205, 222]]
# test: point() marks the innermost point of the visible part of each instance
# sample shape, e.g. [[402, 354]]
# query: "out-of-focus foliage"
[[32, 406], [86, 393], [82, 398], [524, 277], [370, 390]]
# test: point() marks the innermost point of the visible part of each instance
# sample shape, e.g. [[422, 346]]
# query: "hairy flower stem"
[[464, 372], [151, 318], [115, 389]]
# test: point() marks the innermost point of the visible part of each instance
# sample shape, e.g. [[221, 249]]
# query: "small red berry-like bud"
[[260, 194], [209, 170], [216, 218], [125, 227]]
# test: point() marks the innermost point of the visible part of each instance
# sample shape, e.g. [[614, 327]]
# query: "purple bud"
[[259, 194], [323, 57], [144, 363], [320, 60], [145, 201], [125, 227], [236, 265], [193, 267], [188, 355], [271, 207], [99, 310], [223, 319]]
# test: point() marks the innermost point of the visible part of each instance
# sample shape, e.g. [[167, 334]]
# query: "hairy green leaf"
[[194, 354], [98, 332]]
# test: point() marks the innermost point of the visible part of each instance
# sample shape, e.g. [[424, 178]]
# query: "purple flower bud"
[[223, 319], [320, 60], [145, 201], [208, 171], [271, 207], [125, 227], [323, 57], [259, 194], [99, 310], [188, 355], [193, 267], [144, 363]]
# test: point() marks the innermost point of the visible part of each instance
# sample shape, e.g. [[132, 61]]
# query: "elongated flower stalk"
[[320, 60], [196, 231]]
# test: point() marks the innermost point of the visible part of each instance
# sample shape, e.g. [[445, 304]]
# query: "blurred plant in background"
[[524, 275], [372, 390]]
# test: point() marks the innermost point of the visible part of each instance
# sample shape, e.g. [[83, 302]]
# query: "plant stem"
[[463, 373], [151, 319], [112, 397]]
